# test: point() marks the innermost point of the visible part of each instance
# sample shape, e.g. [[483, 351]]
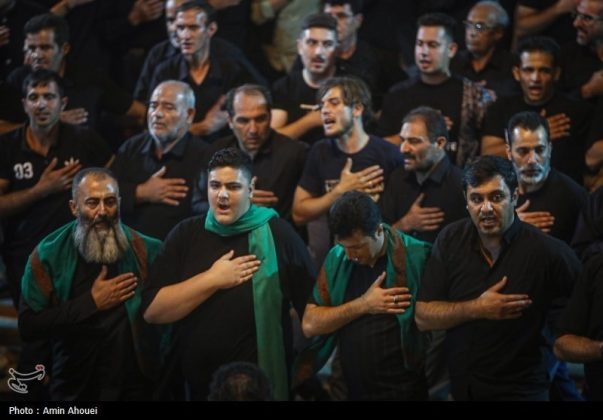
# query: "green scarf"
[[267, 294], [406, 259], [49, 275]]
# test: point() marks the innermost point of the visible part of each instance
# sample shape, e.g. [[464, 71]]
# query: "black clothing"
[[497, 73], [443, 189], [222, 328], [561, 197], [578, 63], [22, 167], [562, 29], [278, 166], [502, 356], [583, 316], [370, 349], [93, 351], [588, 238], [219, 48], [136, 162], [568, 151], [326, 160]]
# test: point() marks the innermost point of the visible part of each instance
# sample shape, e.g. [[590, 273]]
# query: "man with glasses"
[[582, 61], [483, 61]]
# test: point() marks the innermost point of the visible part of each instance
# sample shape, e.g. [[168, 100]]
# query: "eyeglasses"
[[587, 19], [476, 26]]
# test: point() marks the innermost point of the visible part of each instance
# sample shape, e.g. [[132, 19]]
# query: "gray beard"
[[101, 248]]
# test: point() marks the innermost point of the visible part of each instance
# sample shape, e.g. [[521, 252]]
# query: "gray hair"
[[185, 89], [500, 14]]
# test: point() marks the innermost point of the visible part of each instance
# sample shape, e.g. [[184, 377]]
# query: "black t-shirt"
[[222, 328], [568, 151], [578, 63], [93, 351], [588, 237], [583, 316], [22, 168], [136, 162], [278, 165], [501, 356], [563, 198], [370, 349], [442, 189], [326, 160]]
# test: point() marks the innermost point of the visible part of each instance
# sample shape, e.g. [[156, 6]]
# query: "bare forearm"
[[493, 146], [320, 320], [577, 349], [15, 202], [530, 21], [312, 208], [298, 128], [438, 315], [594, 155], [174, 302]]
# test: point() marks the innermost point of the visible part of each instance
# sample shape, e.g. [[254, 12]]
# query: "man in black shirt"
[[425, 194], [461, 101], [162, 173], [277, 161], [548, 199], [581, 328], [490, 282], [363, 298], [228, 281], [37, 165], [81, 290], [537, 71]]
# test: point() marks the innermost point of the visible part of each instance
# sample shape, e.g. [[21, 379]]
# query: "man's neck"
[[491, 245], [347, 48], [435, 79], [314, 80], [163, 148], [479, 62], [40, 139], [381, 251], [423, 175], [354, 141]]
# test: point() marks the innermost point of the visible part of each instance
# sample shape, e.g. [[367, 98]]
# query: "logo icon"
[[17, 380]]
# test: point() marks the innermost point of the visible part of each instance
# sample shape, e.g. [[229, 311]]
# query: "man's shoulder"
[[134, 144]]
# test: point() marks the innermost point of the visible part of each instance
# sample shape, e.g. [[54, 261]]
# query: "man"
[[424, 195], [460, 101], [348, 159], [277, 161], [37, 164], [582, 72], [295, 114], [537, 71], [227, 281], [89, 92], [364, 301], [580, 338], [161, 172], [81, 290], [209, 76], [490, 283], [485, 61], [547, 199], [219, 48]]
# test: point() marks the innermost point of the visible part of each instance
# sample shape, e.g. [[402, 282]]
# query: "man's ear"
[[73, 208], [190, 115], [557, 74], [516, 74], [65, 48], [453, 47], [212, 28], [440, 142], [64, 101], [515, 196], [357, 110]]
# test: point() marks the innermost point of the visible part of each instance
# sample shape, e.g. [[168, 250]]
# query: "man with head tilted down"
[[227, 281], [81, 290]]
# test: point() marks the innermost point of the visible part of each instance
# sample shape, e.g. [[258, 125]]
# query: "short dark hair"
[[543, 44], [96, 173], [239, 381], [355, 5], [487, 167], [320, 20], [432, 118], [353, 91], [210, 12], [439, 19], [233, 158], [42, 77], [528, 120], [354, 211], [247, 89], [59, 26]]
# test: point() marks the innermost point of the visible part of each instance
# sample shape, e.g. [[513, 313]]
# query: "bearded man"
[[81, 290]]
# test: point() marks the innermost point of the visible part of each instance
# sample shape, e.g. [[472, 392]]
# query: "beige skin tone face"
[[96, 199], [229, 193], [317, 49], [168, 117], [589, 22], [491, 207], [481, 42], [43, 105], [433, 51], [420, 154], [537, 76], [363, 249], [337, 117], [251, 121], [43, 52]]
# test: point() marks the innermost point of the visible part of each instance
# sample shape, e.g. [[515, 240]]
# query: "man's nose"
[[486, 206]]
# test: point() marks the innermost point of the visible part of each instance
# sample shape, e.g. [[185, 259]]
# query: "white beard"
[[105, 247]]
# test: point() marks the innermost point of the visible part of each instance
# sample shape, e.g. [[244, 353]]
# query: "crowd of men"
[[172, 203]]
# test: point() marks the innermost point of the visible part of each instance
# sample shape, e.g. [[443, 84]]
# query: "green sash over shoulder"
[[49, 276], [267, 293], [406, 259]]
